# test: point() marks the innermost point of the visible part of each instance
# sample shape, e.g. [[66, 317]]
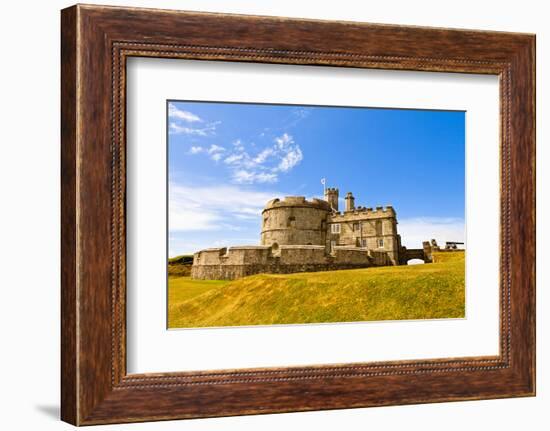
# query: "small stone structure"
[[300, 235]]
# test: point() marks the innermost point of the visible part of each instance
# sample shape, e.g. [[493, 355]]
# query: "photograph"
[[306, 214]]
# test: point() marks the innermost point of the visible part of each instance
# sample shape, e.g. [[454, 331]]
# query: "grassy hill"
[[180, 266], [387, 293]]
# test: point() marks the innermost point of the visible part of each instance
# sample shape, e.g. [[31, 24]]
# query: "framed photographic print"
[[265, 215], [223, 186]]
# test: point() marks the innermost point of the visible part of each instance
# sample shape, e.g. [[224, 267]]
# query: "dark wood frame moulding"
[[95, 43]]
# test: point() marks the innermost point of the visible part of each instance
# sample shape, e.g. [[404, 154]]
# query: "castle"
[[300, 235]]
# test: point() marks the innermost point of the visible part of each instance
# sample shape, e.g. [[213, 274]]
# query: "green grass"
[[387, 293]]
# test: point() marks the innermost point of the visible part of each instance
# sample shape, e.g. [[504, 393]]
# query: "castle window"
[[378, 227], [291, 222], [335, 228], [356, 227], [363, 242], [381, 243]]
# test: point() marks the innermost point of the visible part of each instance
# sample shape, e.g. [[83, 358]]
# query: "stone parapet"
[[241, 261], [297, 201], [361, 212]]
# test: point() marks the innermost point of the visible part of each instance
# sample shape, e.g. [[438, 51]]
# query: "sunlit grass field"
[[429, 291]]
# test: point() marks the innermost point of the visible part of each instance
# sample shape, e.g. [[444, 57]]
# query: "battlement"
[[232, 255], [304, 247], [236, 262], [297, 201], [379, 211]]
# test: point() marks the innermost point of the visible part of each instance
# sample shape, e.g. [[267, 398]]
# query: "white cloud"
[[415, 230], [290, 159], [284, 141], [243, 176], [238, 145], [233, 159], [177, 129], [290, 154], [265, 165], [264, 177], [215, 152], [182, 218], [213, 208], [215, 149], [207, 130], [174, 112], [263, 155], [196, 150]]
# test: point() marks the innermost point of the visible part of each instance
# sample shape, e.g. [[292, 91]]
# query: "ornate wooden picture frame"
[[96, 41]]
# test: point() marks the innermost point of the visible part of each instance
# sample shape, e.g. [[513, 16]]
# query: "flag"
[[323, 181]]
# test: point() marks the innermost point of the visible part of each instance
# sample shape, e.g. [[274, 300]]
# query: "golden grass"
[[387, 293], [181, 289]]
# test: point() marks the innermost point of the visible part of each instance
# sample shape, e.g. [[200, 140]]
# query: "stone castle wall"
[[374, 229], [236, 262]]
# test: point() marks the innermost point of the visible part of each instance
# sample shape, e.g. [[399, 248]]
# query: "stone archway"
[[414, 254]]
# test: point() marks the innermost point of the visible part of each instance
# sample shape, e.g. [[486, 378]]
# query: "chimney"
[[350, 202], [331, 196]]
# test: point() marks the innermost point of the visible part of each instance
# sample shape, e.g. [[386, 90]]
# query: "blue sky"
[[226, 160]]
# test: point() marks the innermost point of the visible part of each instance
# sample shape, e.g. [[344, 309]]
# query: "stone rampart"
[[302, 254], [236, 262]]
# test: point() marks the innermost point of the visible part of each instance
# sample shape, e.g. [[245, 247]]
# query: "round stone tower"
[[294, 221]]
